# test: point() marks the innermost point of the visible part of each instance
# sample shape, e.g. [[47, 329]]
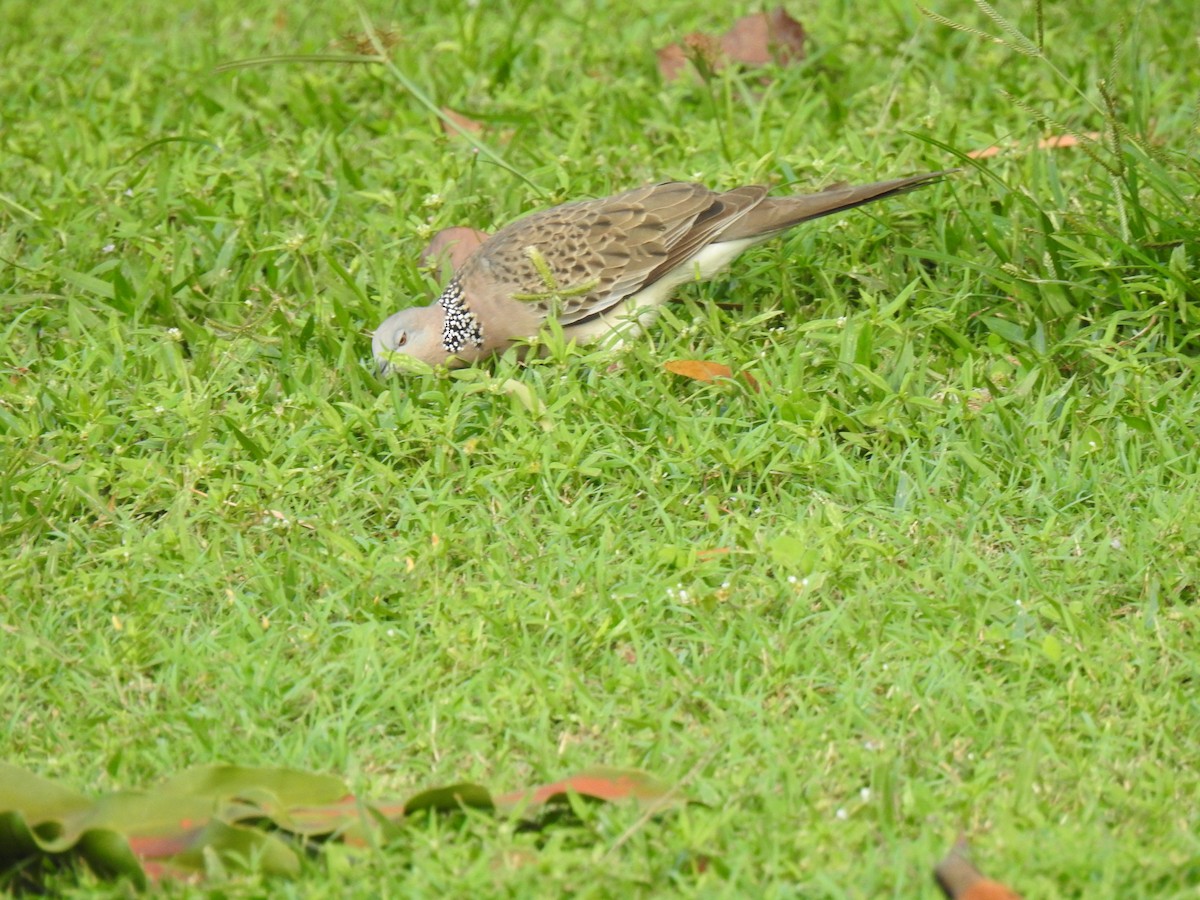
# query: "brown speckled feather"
[[621, 243]]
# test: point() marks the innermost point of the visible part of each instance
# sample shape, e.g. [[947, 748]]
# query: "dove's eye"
[[401, 338]]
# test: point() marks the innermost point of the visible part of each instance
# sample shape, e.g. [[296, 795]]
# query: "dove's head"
[[411, 337]]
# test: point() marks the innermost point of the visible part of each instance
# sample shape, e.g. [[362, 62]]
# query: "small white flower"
[[175, 334], [841, 322], [841, 814], [865, 794], [108, 248], [792, 579]]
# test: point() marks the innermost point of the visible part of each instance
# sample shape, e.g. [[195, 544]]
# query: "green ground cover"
[[939, 574]]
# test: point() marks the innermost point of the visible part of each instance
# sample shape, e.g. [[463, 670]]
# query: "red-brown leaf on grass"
[[755, 40], [765, 37], [468, 127], [698, 369], [239, 816], [452, 245], [750, 380], [671, 61], [599, 784], [960, 880], [1054, 142], [985, 153], [234, 845], [703, 370], [466, 124]]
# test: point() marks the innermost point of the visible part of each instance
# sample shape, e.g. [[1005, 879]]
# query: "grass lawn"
[[939, 574]]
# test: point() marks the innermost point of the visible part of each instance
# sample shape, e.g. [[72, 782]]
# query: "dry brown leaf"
[[703, 370], [754, 40], [765, 37], [466, 124], [452, 245], [698, 369], [671, 62], [1066, 140], [1054, 142], [704, 52]]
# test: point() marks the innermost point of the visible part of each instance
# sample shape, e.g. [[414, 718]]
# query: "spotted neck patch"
[[461, 325]]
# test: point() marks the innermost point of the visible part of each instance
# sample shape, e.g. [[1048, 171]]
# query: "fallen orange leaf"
[[461, 121], [671, 61], [759, 39], [754, 40], [600, 784], [698, 369], [703, 370], [235, 814], [1066, 140], [1054, 142]]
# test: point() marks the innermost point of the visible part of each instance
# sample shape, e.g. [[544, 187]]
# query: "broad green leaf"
[[452, 797], [37, 799], [212, 821]]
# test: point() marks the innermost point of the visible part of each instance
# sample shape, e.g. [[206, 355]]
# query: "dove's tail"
[[775, 214]]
